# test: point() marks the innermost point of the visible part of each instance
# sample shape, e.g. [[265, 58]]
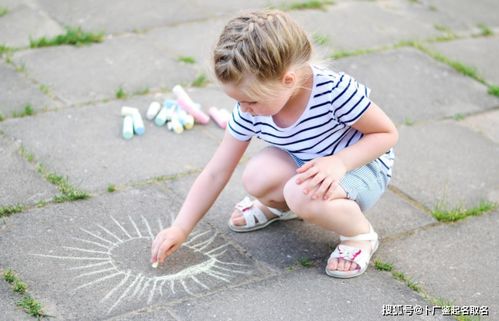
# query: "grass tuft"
[[9, 210], [20, 287], [307, 5], [485, 31], [31, 306], [200, 81], [187, 59], [493, 90], [27, 111], [2, 117], [9, 276], [111, 188], [306, 262], [74, 36], [3, 11], [121, 93], [320, 39], [382, 266], [458, 117], [443, 214]]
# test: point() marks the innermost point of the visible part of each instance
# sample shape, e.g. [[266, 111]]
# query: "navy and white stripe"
[[337, 101]]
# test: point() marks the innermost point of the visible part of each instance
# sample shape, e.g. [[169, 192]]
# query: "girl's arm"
[[201, 196], [324, 174]]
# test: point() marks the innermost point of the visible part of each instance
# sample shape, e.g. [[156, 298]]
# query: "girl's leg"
[[341, 215], [264, 178]]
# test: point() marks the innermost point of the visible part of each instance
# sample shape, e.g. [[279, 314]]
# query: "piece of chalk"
[[153, 110], [160, 119], [138, 124], [128, 111], [220, 116], [155, 265], [171, 106], [197, 113], [127, 127], [182, 94], [175, 125]]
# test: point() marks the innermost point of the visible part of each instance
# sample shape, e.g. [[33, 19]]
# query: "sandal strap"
[[251, 212], [352, 254]]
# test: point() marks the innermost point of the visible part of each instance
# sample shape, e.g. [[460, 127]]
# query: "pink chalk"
[[220, 116], [195, 111]]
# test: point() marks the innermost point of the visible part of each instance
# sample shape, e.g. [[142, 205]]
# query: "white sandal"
[[354, 254], [252, 213]]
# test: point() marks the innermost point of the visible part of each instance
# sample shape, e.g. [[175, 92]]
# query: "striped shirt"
[[337, 101]]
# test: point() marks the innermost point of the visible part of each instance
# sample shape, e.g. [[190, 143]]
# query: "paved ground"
[[88, 259]]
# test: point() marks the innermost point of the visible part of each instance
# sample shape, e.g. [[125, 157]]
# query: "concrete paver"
[[85, 144], [19, 92], [26, 21], [423, 171], [20, 183], [91, 258], [452, 261], [8, 300], [304, 294], [479, 53], [485, 123]]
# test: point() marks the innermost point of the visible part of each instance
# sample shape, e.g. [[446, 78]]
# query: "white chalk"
[[155, 265], [153, 110], [138, 124], [128, 111], [175, 125], [182, 94], [127, 127]]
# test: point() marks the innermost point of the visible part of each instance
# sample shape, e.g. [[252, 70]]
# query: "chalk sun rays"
[[93, 260]]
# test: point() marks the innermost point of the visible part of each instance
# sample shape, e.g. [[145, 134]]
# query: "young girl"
[[330, 151]]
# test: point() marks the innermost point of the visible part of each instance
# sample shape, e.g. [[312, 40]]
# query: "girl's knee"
[[295, 199]]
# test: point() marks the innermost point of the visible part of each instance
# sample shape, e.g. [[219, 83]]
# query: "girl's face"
[[258, 106]]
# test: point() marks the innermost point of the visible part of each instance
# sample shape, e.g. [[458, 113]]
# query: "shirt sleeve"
[[350, 100], [241, 124]]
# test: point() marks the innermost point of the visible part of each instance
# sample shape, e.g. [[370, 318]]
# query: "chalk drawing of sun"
[[122, 254]]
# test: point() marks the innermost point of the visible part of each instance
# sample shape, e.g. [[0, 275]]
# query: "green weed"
[[306, 5], [2, 117], [493, 90], [187, 59], [9, 276], [3, 11], [485, 31], [9, 210], [320, 39], [382, 266], [200, 81], [121, 93], [306, 262], [20, 287], [74, 36], [27, 111], [31, 306], [443, 214], [111, 188]]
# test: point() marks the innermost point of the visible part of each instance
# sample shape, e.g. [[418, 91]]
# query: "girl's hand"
[[321, 176], [166, 242]]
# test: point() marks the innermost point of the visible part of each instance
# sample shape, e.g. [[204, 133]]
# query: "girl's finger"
[[315, 182], [164, 249], [305, 167], [306, 175], [321, 191]]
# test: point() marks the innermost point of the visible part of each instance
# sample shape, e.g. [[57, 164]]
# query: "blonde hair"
[[260, 47]]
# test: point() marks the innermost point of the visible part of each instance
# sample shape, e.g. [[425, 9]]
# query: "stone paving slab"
[[407, 84], [18, 92], [26, 21], [485, 123], [91, 258], [155, 313], [344, 25], [285, 243], [20, 183], [85, 144], [8, 300], [137, 15], [480, 53], [305, 294], [482, 12], [457, 262], [445, 162], [96, 72]]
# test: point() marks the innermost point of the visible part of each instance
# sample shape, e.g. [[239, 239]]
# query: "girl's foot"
[[253, 215], [340, 264]]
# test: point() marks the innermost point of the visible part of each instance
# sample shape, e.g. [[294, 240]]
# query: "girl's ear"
[[289, 79]]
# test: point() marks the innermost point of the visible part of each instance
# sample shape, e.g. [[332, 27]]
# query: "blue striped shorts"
[[364, 185]]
